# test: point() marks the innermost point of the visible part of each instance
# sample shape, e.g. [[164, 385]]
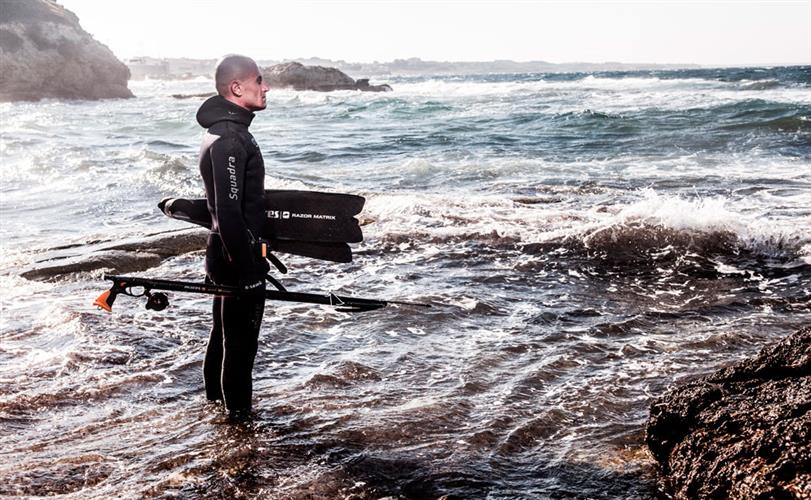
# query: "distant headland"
[[182, 68]]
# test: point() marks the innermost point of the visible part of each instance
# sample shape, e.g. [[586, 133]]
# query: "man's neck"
[[235, 100]]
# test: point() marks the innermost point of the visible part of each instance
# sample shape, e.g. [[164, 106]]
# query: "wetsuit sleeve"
[[229, 159]]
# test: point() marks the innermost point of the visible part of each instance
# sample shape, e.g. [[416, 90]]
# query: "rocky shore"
[[742, 432], [45, 53]]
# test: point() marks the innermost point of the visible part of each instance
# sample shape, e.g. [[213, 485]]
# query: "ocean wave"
[[637, 242], [172, 174], [796, 123], [603, 93], [789, 75], [397, 218], [655, 228], [665, 228], [759, 85], [453, 87]]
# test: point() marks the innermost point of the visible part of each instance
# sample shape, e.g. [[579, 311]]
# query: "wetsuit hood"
[[218, 108]]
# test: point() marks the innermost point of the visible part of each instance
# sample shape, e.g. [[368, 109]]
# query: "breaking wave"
[[654, 226], [704, 225]]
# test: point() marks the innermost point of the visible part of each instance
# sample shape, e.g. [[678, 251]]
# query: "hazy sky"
[[724, 33]]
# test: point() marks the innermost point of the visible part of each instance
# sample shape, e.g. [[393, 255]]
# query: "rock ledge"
[[742, 432]]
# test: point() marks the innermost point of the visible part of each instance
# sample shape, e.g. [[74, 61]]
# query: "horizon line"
[[533, 61]]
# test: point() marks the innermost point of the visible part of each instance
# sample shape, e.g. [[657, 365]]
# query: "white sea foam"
[[707, 214], [499, 220], [754, 232], [451, 218], [607, 94]]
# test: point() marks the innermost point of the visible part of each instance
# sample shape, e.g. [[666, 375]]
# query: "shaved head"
[[233, 67]]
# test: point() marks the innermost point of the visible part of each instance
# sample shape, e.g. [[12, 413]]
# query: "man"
[[234, 173]]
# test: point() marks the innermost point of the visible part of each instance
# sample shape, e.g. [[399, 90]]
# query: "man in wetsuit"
[[234, 173]]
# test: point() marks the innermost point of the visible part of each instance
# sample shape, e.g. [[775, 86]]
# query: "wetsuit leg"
[[212, 364], [241, 320]]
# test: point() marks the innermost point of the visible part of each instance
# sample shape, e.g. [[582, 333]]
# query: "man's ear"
[[236, 88]]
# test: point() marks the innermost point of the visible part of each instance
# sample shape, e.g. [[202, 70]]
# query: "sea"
[[587, 241]]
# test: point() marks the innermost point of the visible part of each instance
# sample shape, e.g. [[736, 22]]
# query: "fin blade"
[[333, 252], [292, 215]]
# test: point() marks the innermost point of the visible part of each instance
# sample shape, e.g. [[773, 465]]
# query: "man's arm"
[[229, 158]]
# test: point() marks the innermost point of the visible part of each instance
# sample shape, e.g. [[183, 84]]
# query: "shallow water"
[[588, 241]]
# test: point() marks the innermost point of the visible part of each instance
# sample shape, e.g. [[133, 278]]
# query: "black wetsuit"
[[233, 173]]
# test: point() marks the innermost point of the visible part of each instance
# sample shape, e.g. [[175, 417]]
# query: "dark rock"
[[742, 432], [363, 84], [131, 256], [44, 52], [112, 261], [299, 77], [167, 244], [204, 95]]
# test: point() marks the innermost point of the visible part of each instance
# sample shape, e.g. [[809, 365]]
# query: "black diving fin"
[[307, 223]]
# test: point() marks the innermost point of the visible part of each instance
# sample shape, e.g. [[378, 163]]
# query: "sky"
[[707, 33]]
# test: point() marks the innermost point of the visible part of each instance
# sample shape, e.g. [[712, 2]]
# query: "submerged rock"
[[742, 432], [44, 52], [299, 77]]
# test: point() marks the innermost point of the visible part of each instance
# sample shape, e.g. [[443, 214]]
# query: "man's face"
[[253, 91]]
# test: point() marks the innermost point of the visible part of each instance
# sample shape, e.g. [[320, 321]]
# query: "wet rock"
[[204, 95], [44, 52], [113, 261], [742, 432], [167, 244], [120, 258], [344, 374], [363, 84], [299, 77]]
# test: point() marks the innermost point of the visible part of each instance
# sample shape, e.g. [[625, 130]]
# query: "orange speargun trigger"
[[101, 301]]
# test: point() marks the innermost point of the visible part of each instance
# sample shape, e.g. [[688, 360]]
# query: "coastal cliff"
[[742, 432], [45, 53]]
